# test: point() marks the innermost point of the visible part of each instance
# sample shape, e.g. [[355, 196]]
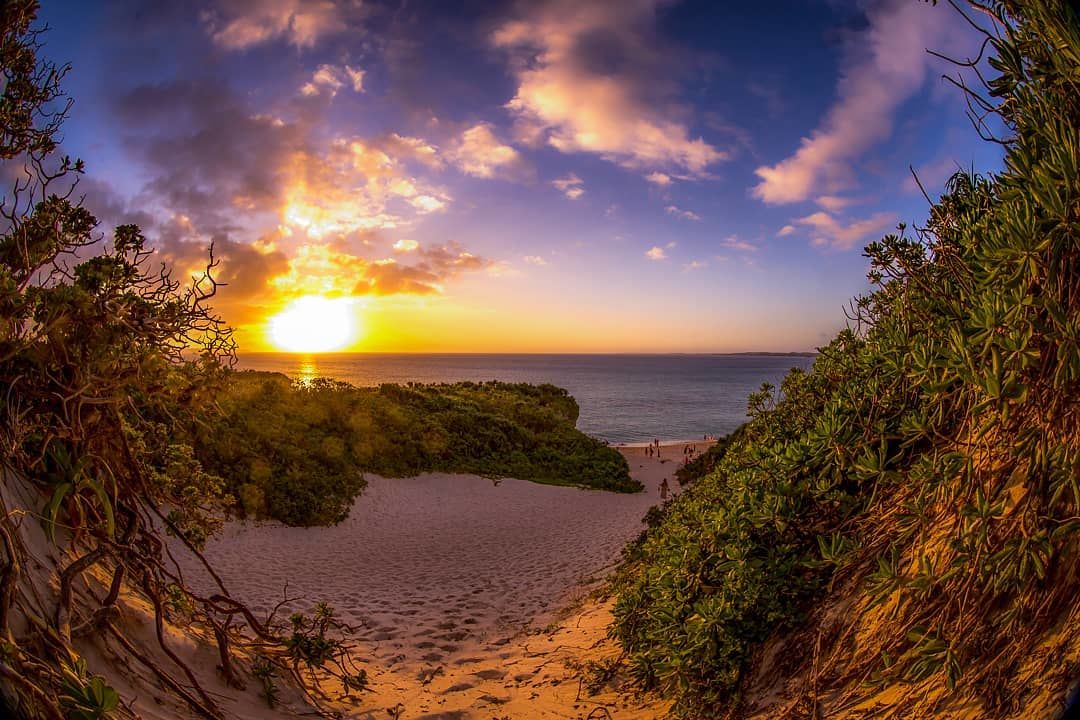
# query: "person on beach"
[[664, 489]]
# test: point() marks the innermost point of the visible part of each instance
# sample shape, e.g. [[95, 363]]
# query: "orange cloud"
[[566, 98], [241, 24], [354, 186], [329, 79], [328, 270]]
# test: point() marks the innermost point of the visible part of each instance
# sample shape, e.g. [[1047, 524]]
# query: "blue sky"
[[632, 175]]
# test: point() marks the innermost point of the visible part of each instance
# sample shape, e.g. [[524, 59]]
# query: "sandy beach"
[[455, 583]]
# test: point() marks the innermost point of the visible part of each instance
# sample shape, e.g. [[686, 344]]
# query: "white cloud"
[[887, 64], [404, 246], [695, 265], [571, 186], [656, 253], [834, 203], [733, 242], [427, 203], [480, 153], [659, 178], [680, 213], [828, 231], [356, 78], [785, 231], [329, 79], [535, 260], [563, 100]]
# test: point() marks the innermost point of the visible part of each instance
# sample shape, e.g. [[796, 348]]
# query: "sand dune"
[[447, 575]]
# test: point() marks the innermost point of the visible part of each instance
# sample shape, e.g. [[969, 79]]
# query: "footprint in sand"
[[490, 674]]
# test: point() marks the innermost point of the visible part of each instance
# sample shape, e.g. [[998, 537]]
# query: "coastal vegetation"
[[295, 452], [704, 463], [904, 517], [126, 440], [106, 359], [905, 513]]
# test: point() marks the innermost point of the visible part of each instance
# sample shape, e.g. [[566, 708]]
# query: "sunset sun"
[[314, 324]]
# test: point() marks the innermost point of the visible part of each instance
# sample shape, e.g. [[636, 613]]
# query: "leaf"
[[52, 509]]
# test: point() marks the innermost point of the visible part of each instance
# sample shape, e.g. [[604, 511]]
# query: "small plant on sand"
[[315, 643], [598, 674], [266, 673], [85, 696]]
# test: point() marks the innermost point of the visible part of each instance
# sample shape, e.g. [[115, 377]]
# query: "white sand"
[[425, 564], [443, 572]]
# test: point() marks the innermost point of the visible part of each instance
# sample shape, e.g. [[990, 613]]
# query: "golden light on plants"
[[314, 324]]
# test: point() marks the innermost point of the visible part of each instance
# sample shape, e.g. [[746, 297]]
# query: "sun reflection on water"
[[307, 370]]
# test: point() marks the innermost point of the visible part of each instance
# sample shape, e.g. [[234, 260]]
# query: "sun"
[[314, 324]]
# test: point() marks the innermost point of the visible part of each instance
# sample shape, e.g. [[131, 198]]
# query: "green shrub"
[[299, 451], [932, 451]]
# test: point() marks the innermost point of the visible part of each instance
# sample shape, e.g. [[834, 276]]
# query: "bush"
[[305, 446], [929, 457]]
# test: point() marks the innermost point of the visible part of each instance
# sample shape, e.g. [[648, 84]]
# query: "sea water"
[[623, 398]]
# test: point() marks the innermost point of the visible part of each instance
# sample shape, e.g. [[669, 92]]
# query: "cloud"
[[356, 77], [283, 201], [244, 268], [659, 253], [785, 231], [408, 148], [834, 203], [434, 267], [695, 265], [732, 242], [589, 79], [242, 24], [887, 63], [427, 203], [535, 260], [329, 80], [354, 185], [659, 178], [211, 158], [331, 270], [828, 231], [570, 185], [480, 153], [208, 156], [682, 214]]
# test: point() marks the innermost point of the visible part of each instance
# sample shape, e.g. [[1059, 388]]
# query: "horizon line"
[[773, 353]]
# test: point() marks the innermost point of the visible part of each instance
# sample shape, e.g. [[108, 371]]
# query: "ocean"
[[623, 398]]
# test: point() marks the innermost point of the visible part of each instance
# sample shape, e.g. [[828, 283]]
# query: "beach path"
[[445, 576]]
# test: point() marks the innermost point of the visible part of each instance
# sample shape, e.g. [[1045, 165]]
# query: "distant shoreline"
[[805, 354]]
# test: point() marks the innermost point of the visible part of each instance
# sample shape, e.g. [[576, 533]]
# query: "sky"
[[541, 176]]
